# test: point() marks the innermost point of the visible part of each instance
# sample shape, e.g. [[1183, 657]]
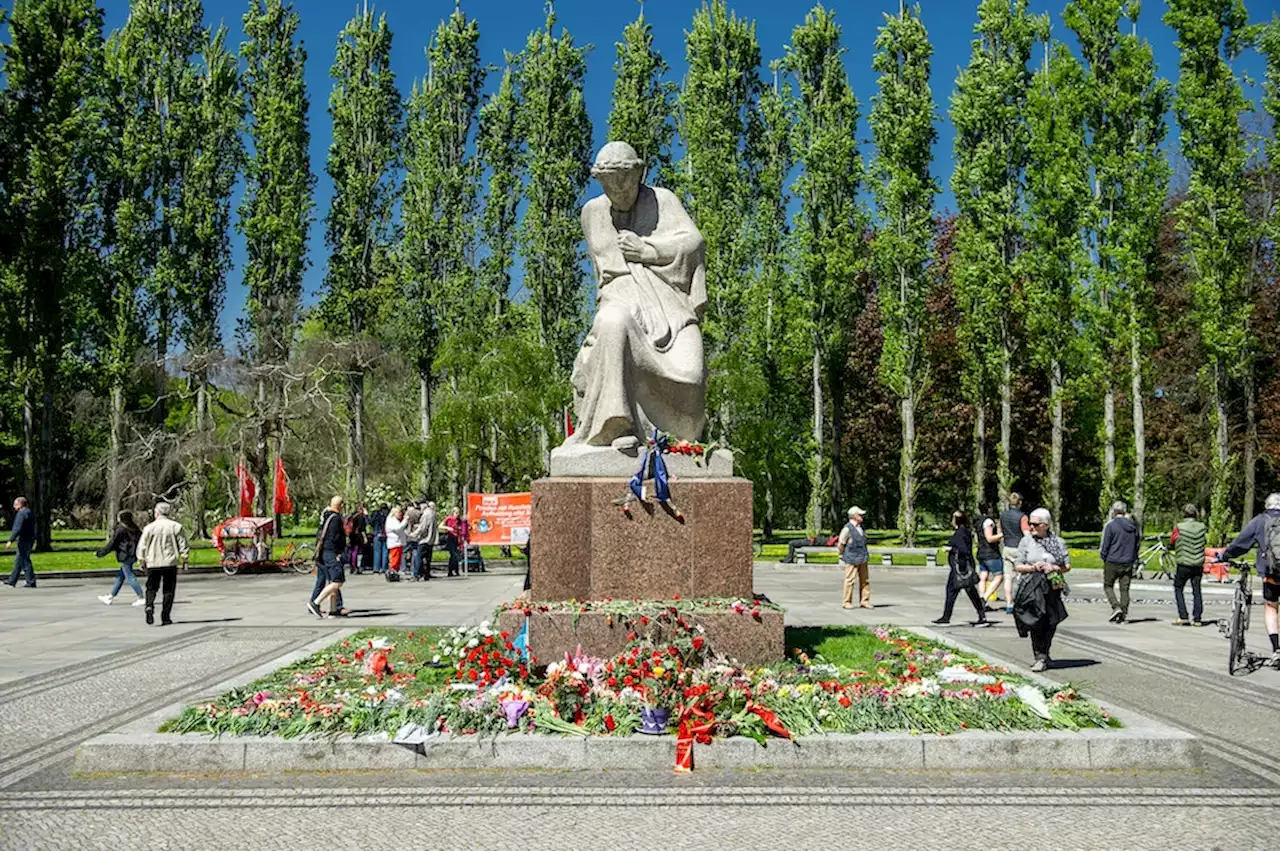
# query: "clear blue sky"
[[505, 24]]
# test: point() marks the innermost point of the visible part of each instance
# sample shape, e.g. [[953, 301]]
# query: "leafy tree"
[[553, 120], [902, 116], [1125, 103], [363, 158], [276, 211], [440, 203], [830, 230], [643, 103], [498, 149], [988, 110], [1212, 220], [1059, 200], [52, 115]]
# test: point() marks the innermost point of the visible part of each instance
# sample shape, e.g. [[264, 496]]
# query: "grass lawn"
[[847, 646]]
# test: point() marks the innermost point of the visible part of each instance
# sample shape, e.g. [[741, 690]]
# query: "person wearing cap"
[[854, 556]]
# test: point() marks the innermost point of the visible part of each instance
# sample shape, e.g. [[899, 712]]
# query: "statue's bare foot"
[[628, 443]]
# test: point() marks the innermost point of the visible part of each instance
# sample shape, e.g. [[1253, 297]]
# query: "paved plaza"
[[71, 668]]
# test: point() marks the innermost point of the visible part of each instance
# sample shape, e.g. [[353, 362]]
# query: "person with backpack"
[[963, 575], [990, 559], [331, 545], [1119, 553], [1188, 538], [1263, 532]]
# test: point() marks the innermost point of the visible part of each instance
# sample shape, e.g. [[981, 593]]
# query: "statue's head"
[[619, 169]]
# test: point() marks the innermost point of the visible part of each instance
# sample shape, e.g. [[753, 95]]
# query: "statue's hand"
[[634, 249]]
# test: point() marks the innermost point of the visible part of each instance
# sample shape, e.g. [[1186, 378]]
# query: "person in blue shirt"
[[1258, 533], [24, 535]]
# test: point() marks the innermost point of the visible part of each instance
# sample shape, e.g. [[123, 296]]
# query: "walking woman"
[[1037, 606], [963, 575], [124, 543]]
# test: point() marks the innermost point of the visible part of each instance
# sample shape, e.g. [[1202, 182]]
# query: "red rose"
[[609, 723]]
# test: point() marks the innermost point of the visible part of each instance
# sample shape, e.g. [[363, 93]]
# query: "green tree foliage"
[[557, 156], [643, 103], [829, 229], [902, 114], [440, 205], [276, 210], [1125, 103], [498, 149], [52, 115], [1054, 266], [363, 158], [988, 110], [1212, 220]]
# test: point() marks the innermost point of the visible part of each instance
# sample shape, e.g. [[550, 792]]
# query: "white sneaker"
[[141, 601], [1274, 661], [106, 599]]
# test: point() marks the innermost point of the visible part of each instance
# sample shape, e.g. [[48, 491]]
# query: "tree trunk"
[[815, 465], [907, 512], [979, 457], [355, 430], [1249, 461], [1218, 518], [424, 426], [1139, 432], [28, 440], [1108, 494], [44, 471], [115, 450], [1055, 441], [261, 456], [835, 462], [202, 456], [162, 365], [1004, 472]]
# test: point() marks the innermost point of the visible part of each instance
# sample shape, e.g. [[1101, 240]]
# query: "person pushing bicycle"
[[1263, 532]]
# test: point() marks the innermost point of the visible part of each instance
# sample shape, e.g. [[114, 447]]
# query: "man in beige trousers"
[[854, 556]]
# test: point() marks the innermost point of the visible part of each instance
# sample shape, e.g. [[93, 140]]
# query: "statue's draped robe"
[[642, 363]]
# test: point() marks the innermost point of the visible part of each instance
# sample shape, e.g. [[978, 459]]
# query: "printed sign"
[[500, 518]]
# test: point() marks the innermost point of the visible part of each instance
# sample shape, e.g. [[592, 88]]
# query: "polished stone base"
[[574, 460], [586, 548], [751, 641]]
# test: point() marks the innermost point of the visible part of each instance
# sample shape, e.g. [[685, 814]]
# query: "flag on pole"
[[281, 502], [568, 422], [247, 490]]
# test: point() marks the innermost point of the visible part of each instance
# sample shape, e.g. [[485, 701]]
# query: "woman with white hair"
[[1037, 606]]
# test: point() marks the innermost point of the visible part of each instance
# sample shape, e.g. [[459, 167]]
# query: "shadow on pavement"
[[1143, 620], [208, 620], [372, 613], [1072, 663]]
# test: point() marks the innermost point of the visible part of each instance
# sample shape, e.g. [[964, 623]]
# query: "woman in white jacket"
[[397, 536]]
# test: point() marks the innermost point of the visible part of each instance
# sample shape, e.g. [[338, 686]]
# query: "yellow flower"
[[805, 688], [659, 671]]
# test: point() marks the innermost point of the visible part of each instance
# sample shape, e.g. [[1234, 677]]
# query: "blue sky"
[[505, 24]]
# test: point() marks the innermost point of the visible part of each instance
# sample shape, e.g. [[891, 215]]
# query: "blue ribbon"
[[652, 463]]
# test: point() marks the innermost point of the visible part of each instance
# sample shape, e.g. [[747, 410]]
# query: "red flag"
[[247, 491], [281, 502], [568, 423]]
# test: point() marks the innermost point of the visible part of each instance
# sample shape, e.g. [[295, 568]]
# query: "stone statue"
[[641, 365]]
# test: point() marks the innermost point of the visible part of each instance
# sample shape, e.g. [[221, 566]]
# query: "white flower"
[[475, 642], [435, 660]]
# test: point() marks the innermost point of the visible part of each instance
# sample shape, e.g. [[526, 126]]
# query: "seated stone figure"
[[641, 365]]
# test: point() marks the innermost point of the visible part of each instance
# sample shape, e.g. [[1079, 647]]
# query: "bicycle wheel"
[[230, 568], [1236, 635], [1168, 566], [302, 560]]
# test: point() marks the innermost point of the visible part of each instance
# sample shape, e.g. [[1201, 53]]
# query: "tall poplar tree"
[[52, 114], [557, 163], [902, 115], [276, 211], [1054, 265], [829, 230], [498, 149], [1212, 220], [363, 161], [1124, 120], [440, 202], [204, 227], [643, 102], [988, 110]]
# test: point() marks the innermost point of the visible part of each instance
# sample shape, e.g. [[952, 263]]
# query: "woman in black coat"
[[963, 575], [124, 543]]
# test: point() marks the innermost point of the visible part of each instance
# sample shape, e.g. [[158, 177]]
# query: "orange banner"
[[499, 518]]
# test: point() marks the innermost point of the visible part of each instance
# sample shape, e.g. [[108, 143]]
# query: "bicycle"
[[1236, 629], [1160, 553]]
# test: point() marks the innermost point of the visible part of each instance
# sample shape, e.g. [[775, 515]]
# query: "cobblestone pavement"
[[71, 668]]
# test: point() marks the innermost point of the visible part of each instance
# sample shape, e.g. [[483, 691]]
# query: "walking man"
[[426, 532], [331, 545], [161, 549], [1119, 552], [24, 534], [1188, 554], [1013, 528], [854, 557], [1263, 532]]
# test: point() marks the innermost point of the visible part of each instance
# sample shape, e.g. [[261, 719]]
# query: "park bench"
[[886, 554]]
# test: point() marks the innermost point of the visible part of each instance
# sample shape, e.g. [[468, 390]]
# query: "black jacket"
[[1037, 604], [24, 526], [1119, 541], [960, 558], [124, 543], [331, 537]]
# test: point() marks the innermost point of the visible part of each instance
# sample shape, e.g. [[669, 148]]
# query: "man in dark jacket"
[[1119, 553], [24, 534], [1263, 532], [331, 540]]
